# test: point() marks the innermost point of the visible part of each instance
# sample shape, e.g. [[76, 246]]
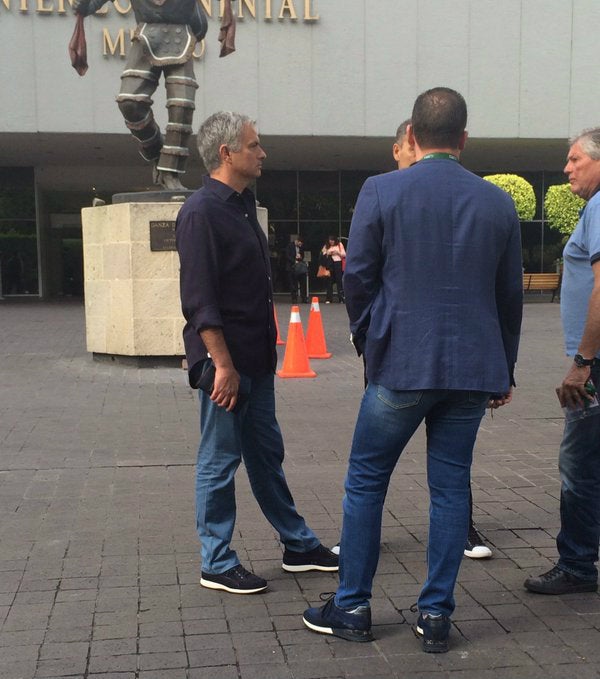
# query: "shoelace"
[[551, 574], [241, 572], [326, 596]]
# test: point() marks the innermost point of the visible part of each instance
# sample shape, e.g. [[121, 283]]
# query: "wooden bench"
[[542, 282]]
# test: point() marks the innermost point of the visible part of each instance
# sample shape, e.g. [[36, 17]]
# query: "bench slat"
[[541, 282]]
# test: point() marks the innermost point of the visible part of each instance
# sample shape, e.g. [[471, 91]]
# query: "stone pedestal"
[[132, 305]]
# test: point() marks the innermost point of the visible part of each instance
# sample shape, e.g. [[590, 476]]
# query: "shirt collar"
[[223, 191]]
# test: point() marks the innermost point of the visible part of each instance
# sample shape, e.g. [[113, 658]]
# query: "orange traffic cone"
[[279, 340], [295, 361], [315, 337]]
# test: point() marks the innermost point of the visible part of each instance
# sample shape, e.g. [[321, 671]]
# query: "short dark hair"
[[439, 118], [401, 131]]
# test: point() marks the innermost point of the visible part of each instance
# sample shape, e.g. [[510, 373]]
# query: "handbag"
[[300, 268], [323, 272]]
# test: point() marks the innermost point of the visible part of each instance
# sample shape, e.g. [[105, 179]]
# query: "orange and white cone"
[[279, 340], [295, 361], [315, 336]]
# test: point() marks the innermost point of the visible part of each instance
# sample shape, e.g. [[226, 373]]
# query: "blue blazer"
[[434, 279]]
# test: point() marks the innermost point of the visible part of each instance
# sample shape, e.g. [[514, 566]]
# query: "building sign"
[[116, 41], [162, 236], [267, 10]]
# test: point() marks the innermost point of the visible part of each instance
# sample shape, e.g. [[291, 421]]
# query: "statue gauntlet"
[[87, 7]]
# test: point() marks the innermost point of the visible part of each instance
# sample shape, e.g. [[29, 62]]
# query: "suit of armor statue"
[[163, 42]]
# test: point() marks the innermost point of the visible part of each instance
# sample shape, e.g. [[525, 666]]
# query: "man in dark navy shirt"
[[227, 300]]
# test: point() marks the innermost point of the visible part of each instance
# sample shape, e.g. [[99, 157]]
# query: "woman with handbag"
[[335, 253]]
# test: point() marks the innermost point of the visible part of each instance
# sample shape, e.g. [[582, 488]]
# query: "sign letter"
[[110, 47], [308, 14], [288, 6]]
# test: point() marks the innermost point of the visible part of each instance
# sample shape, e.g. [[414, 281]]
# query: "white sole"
[[314, 628], [483, 554], [306, 568], [217, 585]]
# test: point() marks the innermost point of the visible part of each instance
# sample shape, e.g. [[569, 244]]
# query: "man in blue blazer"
[[434, 293]]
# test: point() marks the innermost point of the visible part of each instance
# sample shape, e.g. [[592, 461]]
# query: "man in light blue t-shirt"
[[579, 458]]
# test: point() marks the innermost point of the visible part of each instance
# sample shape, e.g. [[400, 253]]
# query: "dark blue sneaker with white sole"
[[352, 625], [237, 580], [433, 630]]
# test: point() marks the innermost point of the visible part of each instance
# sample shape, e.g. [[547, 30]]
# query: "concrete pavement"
[[99, 564]]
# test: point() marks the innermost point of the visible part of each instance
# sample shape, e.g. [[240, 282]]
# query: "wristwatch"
[[581, 362]]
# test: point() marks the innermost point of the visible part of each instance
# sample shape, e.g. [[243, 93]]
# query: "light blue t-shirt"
[[581, 251]]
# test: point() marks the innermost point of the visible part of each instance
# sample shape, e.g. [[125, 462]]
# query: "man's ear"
[[463, 140], [396, 152], [224, 153]]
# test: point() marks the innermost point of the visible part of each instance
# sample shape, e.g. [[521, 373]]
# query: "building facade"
[[328, 82]]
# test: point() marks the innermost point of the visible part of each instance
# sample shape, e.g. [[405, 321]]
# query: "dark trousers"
[[336, 277], [297, 281]]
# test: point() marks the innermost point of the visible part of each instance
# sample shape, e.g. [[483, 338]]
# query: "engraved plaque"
[[162, 236]]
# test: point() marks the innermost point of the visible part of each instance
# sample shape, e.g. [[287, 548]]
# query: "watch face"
[[581, 362]]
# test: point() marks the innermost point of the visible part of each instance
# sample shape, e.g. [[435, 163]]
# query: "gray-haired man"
[[227, 300], [579, 457]]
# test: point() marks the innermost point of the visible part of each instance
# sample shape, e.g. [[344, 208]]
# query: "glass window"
[[18, 232], [280, 234], [319, 195], [278, 192], [351, 185]]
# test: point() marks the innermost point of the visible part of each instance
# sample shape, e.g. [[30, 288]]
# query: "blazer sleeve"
[[362, 277], [509, 295]]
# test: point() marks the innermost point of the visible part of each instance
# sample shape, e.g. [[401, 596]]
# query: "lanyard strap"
[[442, 155]]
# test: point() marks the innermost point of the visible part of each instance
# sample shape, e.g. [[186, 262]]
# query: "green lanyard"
[[440, 154]]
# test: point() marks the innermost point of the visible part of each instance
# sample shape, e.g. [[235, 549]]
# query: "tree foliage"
[[520, 190], [562, 208]]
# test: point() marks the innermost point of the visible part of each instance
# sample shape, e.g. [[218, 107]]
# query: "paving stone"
[[52, 650], [155, 661], [61, 667], [113, 663], [223, 672], [112, 647], [211, 657]]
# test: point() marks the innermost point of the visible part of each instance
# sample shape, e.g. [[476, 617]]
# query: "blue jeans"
[[579, 466], [386, 421], [253, 435]]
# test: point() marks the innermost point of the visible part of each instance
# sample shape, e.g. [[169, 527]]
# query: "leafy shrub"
[[562, 208], [520, 190]]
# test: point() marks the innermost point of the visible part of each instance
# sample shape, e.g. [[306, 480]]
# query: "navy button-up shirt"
[[225, 278]]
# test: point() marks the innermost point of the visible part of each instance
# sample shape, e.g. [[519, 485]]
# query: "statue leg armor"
[[181, 89], [138, 82]]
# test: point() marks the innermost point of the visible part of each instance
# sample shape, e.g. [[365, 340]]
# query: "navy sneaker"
[[557, 581], [318, 559], [433, 630], [352, 625], [236, 580]]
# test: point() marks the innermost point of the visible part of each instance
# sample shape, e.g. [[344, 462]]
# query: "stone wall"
[[131, 293]]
